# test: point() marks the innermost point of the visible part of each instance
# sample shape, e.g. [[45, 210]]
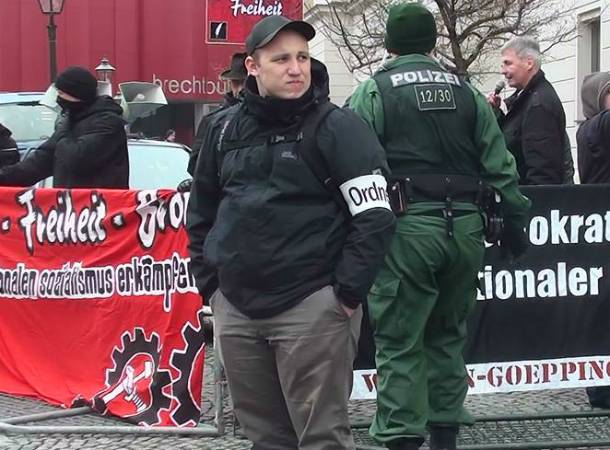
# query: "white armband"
[[366, 192]]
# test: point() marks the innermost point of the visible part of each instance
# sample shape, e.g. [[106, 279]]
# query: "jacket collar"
[[404, 59], [103, 103], [231, 100], [520, 95]]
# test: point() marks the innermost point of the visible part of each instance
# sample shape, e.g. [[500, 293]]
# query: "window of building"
[[588, 52], [593, 28]]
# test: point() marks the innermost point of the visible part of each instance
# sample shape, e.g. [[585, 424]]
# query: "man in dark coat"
[[235, 77], [534, 125], [88, 148]]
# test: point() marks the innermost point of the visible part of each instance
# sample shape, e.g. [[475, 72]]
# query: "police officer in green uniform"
[[443, 146]]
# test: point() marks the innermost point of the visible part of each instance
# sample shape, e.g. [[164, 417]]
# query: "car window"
[[157, 167], [28, 121]]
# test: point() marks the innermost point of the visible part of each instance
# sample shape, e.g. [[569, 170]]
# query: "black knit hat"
[[265, 30], [410, 29], [78, 82]]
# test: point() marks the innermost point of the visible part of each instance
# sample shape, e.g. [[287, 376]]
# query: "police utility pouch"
[[447, 189], [397, 198], [443, 188]]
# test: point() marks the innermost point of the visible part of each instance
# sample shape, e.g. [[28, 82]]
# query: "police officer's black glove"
[[513, 242]]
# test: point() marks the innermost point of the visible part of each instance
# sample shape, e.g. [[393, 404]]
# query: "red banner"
[[97, 304]]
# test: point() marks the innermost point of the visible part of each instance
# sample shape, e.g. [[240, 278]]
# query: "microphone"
[[499, 86]]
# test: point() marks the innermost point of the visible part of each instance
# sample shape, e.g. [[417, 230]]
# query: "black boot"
[[599, 397], [443, 438], [405, 444]]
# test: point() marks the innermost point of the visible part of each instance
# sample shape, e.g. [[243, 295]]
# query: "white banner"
[[514, 376]]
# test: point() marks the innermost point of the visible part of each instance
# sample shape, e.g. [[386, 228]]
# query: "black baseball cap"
[[264, 31]]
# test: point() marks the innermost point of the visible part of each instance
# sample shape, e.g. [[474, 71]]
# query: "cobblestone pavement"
[[480, 405]]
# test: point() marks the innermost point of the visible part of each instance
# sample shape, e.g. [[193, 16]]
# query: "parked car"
[[152, 164]]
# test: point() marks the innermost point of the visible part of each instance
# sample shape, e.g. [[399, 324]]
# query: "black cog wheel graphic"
[[161, 378], [182, 360]]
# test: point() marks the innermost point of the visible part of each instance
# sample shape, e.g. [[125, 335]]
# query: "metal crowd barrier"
[[550, 430]]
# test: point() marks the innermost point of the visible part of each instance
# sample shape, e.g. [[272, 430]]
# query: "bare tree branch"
[[469, 31]]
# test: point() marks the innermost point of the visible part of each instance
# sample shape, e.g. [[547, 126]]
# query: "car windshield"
[[28, 121], [157, 166]]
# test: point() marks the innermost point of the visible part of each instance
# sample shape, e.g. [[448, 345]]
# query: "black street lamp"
[[50, 8], [105, 71]]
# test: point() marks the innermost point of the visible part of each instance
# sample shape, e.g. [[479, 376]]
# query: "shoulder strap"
[[226, 128], [309, 150], [313, 157]]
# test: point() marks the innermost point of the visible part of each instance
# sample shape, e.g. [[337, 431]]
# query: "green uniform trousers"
[[418, 307]]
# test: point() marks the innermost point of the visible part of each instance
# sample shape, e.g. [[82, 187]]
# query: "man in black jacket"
[[534, 125], [88, 148], [285, 249]]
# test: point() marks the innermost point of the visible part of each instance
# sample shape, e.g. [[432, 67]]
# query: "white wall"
[[321, 48], [605, 35]]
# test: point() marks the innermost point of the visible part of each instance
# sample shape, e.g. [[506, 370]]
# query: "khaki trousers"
[[290, 376]]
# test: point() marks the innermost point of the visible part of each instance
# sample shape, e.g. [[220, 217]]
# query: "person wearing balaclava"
[[593, 135], [433, 125], [88, 148]]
